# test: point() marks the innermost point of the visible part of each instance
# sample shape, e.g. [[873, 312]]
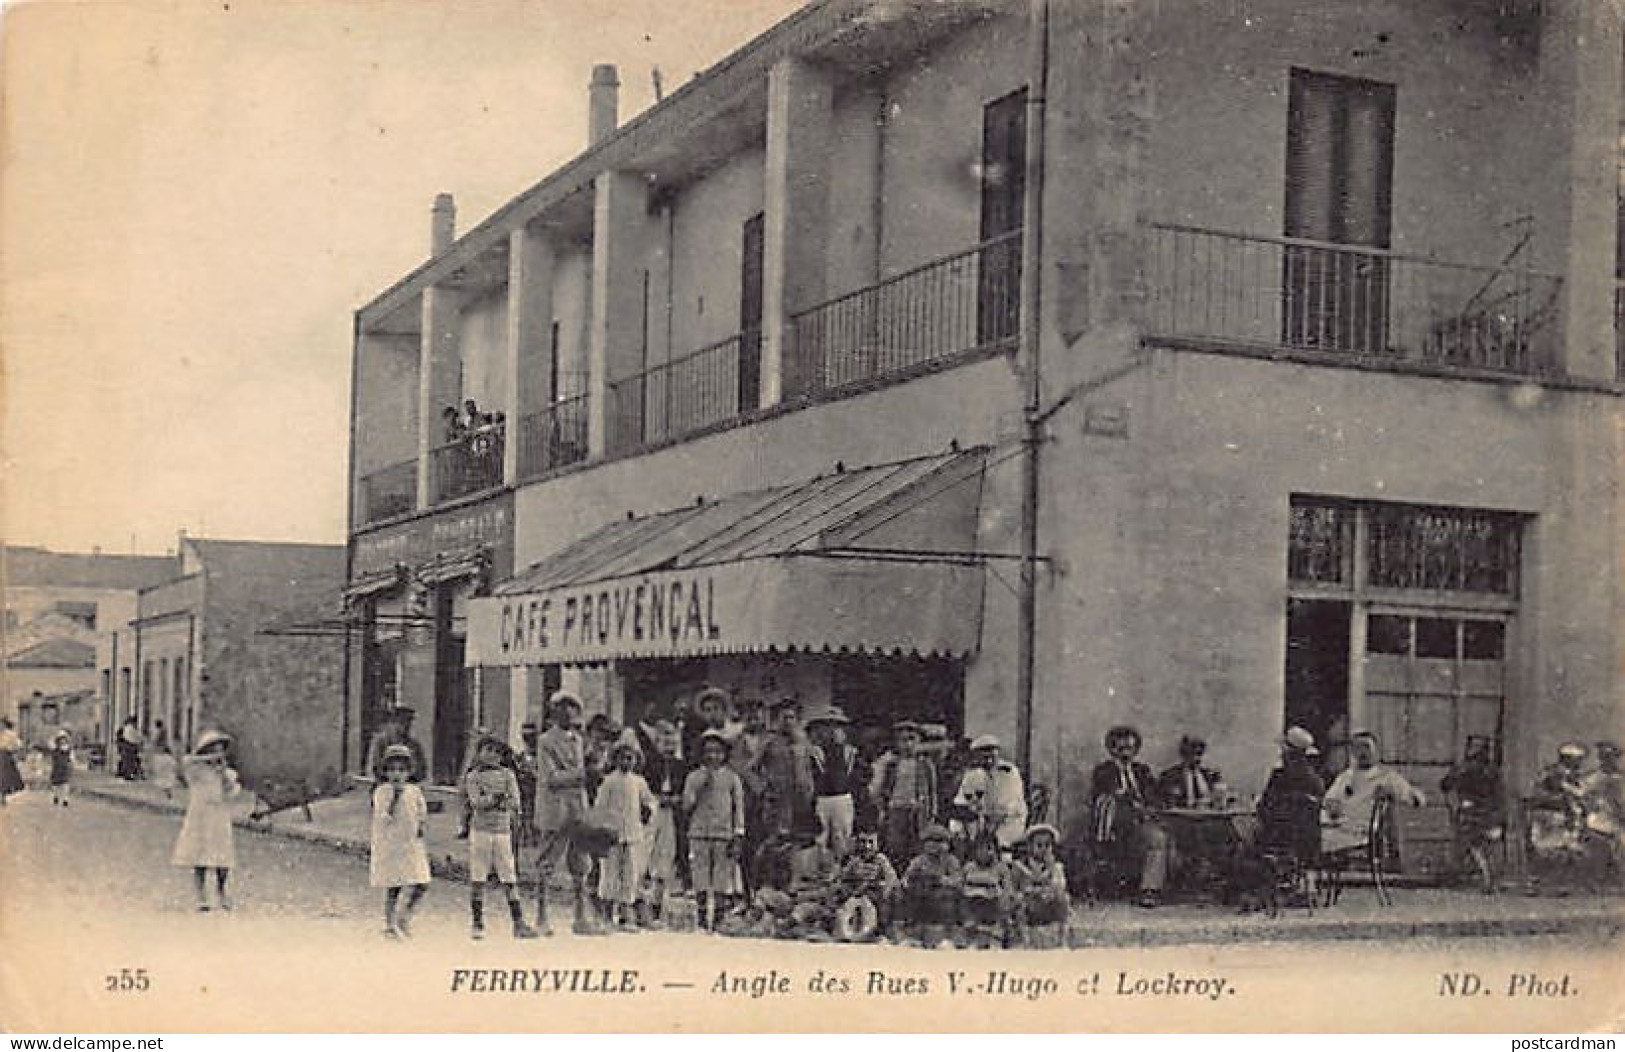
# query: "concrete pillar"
[[440, 380], [530, 325], [795, 211], [1580, 67], [614, 336]]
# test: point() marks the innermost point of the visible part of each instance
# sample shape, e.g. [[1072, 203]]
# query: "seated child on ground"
[[928, 903], [989, 900], [864, 889], [1040, 881]]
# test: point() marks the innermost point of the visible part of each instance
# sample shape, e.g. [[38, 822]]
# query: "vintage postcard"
[[863, 515]]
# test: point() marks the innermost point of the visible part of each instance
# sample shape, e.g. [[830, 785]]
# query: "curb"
[[1600, 923]]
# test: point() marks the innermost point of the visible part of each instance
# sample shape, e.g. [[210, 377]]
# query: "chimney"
[[443, 228], [603, 96]]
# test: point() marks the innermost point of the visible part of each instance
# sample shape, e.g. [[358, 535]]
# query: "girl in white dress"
[[398, 858], [205, 842]]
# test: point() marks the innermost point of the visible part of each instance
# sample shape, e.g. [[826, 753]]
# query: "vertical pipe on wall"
[[1032, 423]]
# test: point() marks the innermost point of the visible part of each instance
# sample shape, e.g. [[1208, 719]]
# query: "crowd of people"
[[476, 436], [768, 820]]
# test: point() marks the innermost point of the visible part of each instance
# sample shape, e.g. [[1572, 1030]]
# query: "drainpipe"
[[1032, 421]]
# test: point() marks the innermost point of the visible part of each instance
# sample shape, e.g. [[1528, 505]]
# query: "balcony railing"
[[389, 492], [677, 398], [1350, 300], [467, 465], [960, 303], [554, 437]]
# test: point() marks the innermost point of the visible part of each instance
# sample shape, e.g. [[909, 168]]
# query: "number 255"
[[128, 980]]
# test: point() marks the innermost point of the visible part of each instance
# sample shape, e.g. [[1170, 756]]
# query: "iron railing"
[[701, 389], [389, 491], [467, 465], [1352, 300], [959, 303], [553, 437]]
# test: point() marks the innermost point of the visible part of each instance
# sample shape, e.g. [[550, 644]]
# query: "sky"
[[196, 196]]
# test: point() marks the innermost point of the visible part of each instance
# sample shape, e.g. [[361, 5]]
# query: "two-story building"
[[1035, 368]]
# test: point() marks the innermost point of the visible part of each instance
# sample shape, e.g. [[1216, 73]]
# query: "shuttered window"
[[1004, 181], [1340, 159]]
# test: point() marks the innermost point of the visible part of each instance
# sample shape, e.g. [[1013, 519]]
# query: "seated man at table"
[[1188, 783], [1354, 794], [1123, 827]]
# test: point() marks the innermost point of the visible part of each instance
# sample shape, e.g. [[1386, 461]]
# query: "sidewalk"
[[344, 823]]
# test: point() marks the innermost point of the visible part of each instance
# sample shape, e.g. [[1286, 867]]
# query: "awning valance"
[[875, 560], [368, 585]]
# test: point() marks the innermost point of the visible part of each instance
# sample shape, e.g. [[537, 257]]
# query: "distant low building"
[[199, 651], [54, 603]]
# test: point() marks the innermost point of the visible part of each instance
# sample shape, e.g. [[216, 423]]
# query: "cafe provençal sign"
[[736, 607], [665, 614]]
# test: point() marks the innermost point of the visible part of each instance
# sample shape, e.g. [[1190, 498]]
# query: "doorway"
[[1317, 668]]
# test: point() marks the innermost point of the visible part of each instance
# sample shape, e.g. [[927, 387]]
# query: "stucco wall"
[[1473, 126], [482, 337], [1171, 610], [933, 140], [386, 402], [707, 222], [572, 303]]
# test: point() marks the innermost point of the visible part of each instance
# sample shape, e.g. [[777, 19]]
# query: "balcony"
[[686, 395], [1350, 301], [389, 492], [554, 437], [468, 464], [926, 316]]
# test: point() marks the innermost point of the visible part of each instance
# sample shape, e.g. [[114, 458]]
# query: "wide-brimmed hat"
[[1572, 751], [61, 736], [827, 714], [1042, 827], [907, 725], [934, 832], [1301, 740], [561, 698], [716, 736], [211, 738], [711, 694], [984, 741]]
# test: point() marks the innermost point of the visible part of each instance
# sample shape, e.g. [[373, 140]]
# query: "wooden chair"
[[1372, 857]]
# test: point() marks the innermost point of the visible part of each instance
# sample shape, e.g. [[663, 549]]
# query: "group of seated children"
[[986, 900]]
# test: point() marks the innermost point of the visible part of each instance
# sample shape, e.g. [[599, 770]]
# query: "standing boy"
[[491, 794]]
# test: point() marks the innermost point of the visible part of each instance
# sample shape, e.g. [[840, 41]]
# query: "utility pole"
[[1032, 424]]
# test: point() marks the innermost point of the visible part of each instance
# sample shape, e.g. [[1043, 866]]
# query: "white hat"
[[211, 737], [1301, 740], [985, 741]]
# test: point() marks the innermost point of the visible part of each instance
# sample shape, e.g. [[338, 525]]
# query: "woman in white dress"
[[205, 842], [398, 858]]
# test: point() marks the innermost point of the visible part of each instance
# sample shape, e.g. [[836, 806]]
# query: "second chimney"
[[603, 97], [443, 227]]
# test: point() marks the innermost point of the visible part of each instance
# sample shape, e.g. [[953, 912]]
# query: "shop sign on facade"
[[737, 607], [416, 541]]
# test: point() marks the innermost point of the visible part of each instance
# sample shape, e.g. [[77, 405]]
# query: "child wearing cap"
[[624, 808], [206, 840], [491, 794], [929, 901], [1040, 881], [904, 791], [714, 799], [398, 859]]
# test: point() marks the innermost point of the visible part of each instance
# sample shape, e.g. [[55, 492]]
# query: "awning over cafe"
[[878, 560]]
